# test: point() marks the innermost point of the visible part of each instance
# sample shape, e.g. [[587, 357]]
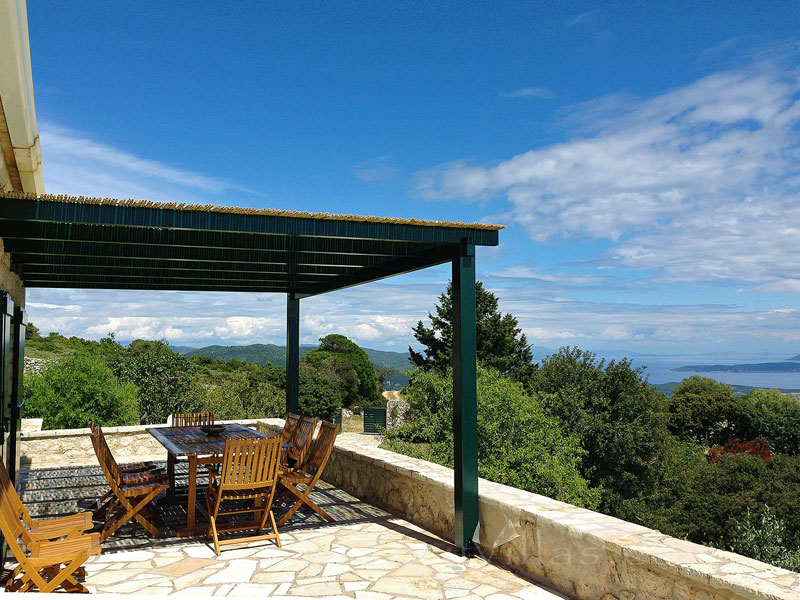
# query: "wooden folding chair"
[[132, 492], [308, 473], [192, 419], [184, 420], [57, 549], [38, 530], [138, 467], [289, 427], [299, 443], [249, 471]]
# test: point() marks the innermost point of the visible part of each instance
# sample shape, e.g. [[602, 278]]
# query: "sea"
[[659, 369]]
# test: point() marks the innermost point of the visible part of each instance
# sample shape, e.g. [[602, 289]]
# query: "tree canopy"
[[78, 388], [348, 368], [501, 345]]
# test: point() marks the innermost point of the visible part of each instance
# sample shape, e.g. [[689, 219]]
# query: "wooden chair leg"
[[275, 528], [171, 474], [132, 512], [303, 498], [66, 572]]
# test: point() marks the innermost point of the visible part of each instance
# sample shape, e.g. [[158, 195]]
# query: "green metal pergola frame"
[[64, 242]]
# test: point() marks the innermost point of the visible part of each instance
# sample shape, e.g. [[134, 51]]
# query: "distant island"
[[790, 366]]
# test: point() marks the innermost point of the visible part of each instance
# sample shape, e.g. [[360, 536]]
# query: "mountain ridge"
[[260, 354]]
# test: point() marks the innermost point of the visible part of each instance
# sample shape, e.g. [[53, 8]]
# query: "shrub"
[[237, 397], [761, 537], [618, 418], [162, 376], [319, 397], [78, 388], [518, 444]]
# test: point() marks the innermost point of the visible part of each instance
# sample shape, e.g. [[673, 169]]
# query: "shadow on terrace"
[[367, 553]]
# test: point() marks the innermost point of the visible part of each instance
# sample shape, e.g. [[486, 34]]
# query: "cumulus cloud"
[[697, 184]]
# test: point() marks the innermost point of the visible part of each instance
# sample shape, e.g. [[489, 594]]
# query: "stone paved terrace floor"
[[368, 554]]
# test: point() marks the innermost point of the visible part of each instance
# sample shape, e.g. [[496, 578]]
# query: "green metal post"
[[465, 397], [292, 354]]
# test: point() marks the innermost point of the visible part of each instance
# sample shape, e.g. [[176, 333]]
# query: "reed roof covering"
[[78, 242]]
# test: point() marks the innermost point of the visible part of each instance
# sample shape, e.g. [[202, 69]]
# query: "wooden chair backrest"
[[250, 463], [106, 459], [13, 529], [289, 427], [192, 419], [303, 434], [12, 510], [321, 450]]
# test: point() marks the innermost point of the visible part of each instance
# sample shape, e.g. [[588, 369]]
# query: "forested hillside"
[[395, 364], [703, 465], [146, 381]]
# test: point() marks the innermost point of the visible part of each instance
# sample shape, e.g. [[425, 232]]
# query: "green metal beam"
[[133, 251], [89, 263], [292, 354], [398, 266], [144, 285], [19, 209], [116, 234], [465, 398]]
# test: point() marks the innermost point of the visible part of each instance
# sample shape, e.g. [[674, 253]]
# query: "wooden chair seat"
[[50, 529], [43, 553], [143, 477], [137, 489]]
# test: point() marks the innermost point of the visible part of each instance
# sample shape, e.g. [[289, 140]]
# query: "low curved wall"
[[586, 555]]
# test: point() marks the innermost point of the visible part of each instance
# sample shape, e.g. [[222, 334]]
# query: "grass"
[[354, 424]]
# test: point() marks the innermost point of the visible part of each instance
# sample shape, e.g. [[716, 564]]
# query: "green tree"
[[618, 417], [78, 388], [319, 397], [32, 332], [367, 393], [501, 344], [339, 371], [162, 376], [704, 410], [518, 444], [237, 396], [771, 415]]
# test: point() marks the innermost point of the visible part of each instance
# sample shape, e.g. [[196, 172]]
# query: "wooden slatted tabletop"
[[193, 442], [184, 441]]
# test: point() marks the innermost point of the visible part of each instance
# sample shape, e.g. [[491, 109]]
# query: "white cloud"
[[697, 184], [526, 271], [530, 92], [76, 164], [44, 305], [379, 169]]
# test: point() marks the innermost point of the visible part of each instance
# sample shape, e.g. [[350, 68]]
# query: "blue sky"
[[644, 156]]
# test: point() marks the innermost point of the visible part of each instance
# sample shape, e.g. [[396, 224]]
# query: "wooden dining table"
[[199, 448]]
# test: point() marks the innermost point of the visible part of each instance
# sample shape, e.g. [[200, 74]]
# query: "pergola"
[[94, 243]]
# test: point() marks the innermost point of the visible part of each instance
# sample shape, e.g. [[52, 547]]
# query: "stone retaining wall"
[[586, 555], [72, 447]]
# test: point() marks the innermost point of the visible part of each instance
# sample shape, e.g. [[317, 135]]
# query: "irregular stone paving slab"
[[367, 554]]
